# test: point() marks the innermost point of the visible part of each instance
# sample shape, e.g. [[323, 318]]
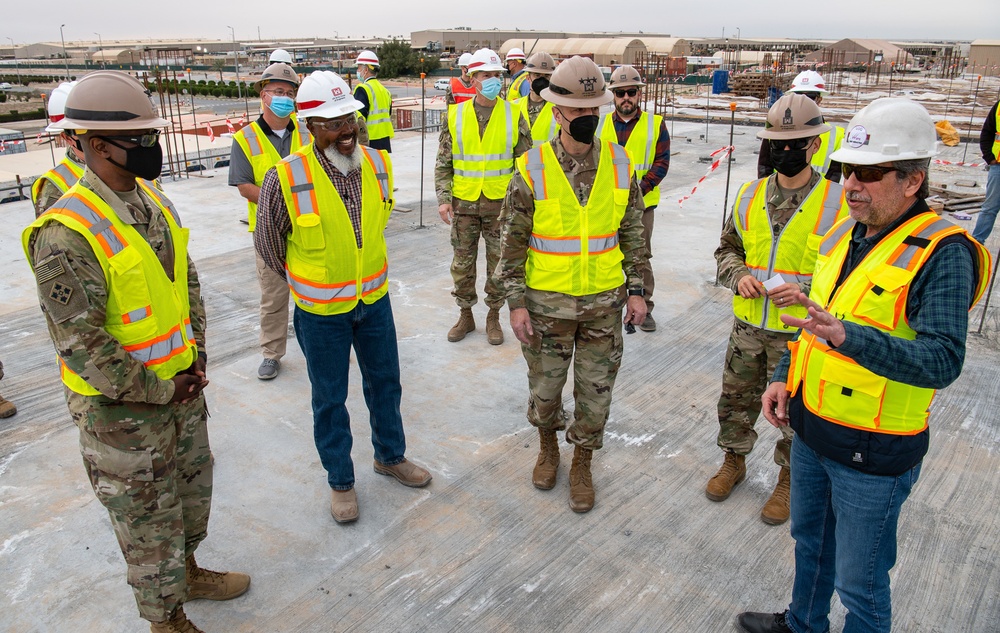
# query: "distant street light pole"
[[236, 56], [65, 57], [17, 66], [100, 44]]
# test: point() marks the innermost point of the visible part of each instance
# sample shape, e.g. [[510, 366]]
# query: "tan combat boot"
[[466, 323], [775, 511], [214, 585], [544, 475], [733, 471], [178, 623], [7, 407], [494, 333], [581, 485]]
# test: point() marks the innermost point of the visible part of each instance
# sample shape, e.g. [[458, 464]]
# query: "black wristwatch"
[[636, 292]]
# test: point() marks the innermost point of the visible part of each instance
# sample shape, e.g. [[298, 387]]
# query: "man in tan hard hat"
[[475, 161], [536, 110], [460, 89], [766, 256], [332, 245], [131, 347], [645, 137], [51, 185], [256, 148], [376, 102], [567, 281]]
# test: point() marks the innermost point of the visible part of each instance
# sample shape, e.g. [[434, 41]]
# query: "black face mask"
[[144, 162], [583, 128], [789, 162], [539, 84]]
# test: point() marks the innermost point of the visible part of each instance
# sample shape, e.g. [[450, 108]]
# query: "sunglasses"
[[143, 140], [795, 144], [866, 173], [335, 124], [621, 92]]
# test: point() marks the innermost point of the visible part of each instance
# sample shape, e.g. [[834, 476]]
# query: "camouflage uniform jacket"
[[77, 326], [50, 192], [731, 256], [517, 219], [443, 168]]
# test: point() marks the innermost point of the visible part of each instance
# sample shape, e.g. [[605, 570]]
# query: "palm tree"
[[218, 65]]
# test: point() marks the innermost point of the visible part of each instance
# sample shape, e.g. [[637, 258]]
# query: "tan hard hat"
[[109, 100], [277, 72], [540, 64], [625, 76], [793, 116], [577, 83]]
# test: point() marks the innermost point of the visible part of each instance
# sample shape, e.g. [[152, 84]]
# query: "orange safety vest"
[[460, 92]]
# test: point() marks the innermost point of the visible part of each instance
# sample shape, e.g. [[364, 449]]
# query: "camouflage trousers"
[[594, 346], [750, 360], [150, 467], [471, 220]]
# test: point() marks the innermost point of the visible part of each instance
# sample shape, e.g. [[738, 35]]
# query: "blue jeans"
[[988, 213], [831, 505], [326, 342]]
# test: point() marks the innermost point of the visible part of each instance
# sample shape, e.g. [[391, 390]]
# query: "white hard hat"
[[514, 53], [57, 105], [368, 58], [326, 95], [280, 55], [888, 129], [465, 59], [809, 81], [485, 60]]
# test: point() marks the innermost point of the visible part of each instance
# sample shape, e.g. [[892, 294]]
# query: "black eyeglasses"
[[866, 173], [335, 124], [143, 140], [621, 92], [795, 144]]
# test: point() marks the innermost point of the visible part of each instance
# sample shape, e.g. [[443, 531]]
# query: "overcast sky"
[[836, 19]]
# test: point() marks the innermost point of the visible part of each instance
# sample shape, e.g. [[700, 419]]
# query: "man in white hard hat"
[[280, 56], [811, 84], [519, 85], [376, 102], [536, 110], [131, 347], [475, 161], [886, 326], [51, 185], [460, 89], [323, 213], [645, 136], [256, 148], [567, 280], [989, 145], [766, 256]]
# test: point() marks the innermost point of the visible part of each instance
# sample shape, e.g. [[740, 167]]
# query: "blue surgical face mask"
[[491, 88], [281, 106]]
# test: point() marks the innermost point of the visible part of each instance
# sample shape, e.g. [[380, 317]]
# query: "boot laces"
[[207, 575]]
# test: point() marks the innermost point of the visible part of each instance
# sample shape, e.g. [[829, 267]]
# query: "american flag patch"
[[49, 269]]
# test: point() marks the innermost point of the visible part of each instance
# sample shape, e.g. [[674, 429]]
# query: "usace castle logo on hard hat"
[[788, 117], [337, 92], [858, 136], [588, 83]]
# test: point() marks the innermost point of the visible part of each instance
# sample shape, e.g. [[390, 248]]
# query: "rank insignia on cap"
[[588, 83], [60, 293]]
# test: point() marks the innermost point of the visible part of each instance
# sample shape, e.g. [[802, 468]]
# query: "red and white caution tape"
[[211, 132], [229, 124], [720, 155], [937, 161]]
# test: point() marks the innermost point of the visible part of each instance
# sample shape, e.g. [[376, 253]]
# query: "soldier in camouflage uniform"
[[463, 83], [571, 317], [51, 185], [749, 254], [480, 215], [133, 382], [7, 407]]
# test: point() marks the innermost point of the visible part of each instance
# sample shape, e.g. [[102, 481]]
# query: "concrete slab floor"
[[480, 548]]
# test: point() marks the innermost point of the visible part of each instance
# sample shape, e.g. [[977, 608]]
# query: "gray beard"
[[344, 164]]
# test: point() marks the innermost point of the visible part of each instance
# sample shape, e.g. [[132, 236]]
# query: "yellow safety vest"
[[514, 90], [792, 253], [996, 137], [574, 249], [262, 155], [482, 165], [829, 142], [544, 129], [63, 176], [641, 146], [326, 270], [379, 102], [146, 312], [835, 387]]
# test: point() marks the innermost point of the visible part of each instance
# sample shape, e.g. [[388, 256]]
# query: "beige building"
[[604, 51], [861, 52], [984, 58]]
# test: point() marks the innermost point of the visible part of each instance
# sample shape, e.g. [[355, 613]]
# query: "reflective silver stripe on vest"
[[66, 174], [600, 124], [602, 244], [460, 138], [483, 157], [250, 134], [156, 351], [743, 204], [375, 284], [137, 315], [650, 143], [509, 117], [760, 274], [375, 113], [381, 171], [303, 133], [834, 236], [620, 163], [488, 173], [100, 226], [558, 247], [908, 256], [536, 171], [323, 295], [831, 138], [162, 200], [831, 207], [189, 331], [300, 188]]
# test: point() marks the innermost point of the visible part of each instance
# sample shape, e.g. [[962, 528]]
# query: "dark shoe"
[[750, 622], [494, 333], [7, 408], [466, 323], [648, 324], [581, 484], [178, 623], [214, 585], [732, 472], [344, 506], [544, 475], [408, 473], [268, 369], [775, 511]]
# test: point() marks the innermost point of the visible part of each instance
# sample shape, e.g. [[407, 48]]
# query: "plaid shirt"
[[661, 163], [274, 224]]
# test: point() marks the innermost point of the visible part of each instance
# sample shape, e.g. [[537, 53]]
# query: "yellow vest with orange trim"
[[63, 176], [792, 253], [327, 272], [544, 129], [482, 165], [641, 146], [829, 142], [835, 387], [262, 155], [514, 90], [146, 312], [574, 249]]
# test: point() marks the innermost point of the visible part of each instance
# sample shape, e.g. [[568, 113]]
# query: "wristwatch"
[[636, 292]]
